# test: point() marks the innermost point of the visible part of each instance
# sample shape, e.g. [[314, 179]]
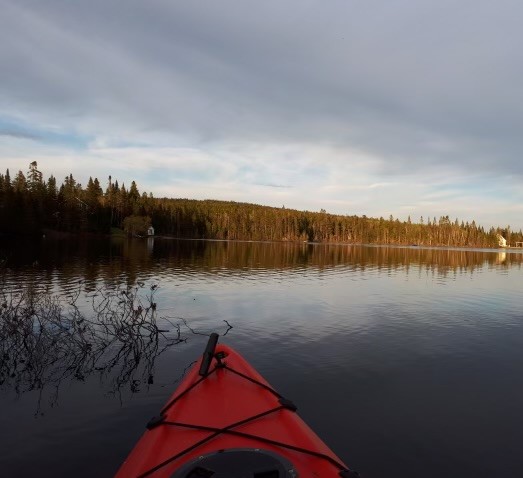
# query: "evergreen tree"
[[7, 181], [93, 193], [52, 191], [20, 183], [34, 179]]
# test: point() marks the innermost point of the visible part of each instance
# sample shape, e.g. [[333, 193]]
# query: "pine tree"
[[34, 179], [52, 191], [7, 182], [20, 183]]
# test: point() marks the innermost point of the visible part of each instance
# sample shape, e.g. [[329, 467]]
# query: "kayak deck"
[[225, 405]]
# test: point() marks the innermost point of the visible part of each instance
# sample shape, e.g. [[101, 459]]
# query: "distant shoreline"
[[65, 235]]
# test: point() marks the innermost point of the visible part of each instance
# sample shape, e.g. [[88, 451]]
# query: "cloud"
[[14, 133]]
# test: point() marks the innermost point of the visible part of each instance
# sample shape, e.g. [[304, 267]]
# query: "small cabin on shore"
[[150, 231], [502, 242]]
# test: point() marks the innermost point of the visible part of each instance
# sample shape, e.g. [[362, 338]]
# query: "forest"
[[29, 204]]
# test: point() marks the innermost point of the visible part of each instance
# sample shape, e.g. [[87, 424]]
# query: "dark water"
[[406, 361]]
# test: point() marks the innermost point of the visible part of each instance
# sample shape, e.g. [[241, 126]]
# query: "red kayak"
[[226, 421]]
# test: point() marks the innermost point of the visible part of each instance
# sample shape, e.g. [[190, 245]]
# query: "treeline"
[[29, 204]]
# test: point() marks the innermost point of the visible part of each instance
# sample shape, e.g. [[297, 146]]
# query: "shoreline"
[[54, 234]]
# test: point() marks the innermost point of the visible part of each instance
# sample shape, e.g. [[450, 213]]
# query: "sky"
[[376, 107]]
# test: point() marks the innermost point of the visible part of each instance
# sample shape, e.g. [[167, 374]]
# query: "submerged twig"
[[46, 339]]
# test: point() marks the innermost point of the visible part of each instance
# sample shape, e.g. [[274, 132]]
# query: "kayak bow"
[[226, 421]]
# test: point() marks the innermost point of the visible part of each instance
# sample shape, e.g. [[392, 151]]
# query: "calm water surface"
[[406, 361]]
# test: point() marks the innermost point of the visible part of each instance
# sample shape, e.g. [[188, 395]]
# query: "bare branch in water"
[[46, 339], [229, 327], [195, 332]]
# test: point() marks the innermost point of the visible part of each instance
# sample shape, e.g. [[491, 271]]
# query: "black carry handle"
[[208, 354]]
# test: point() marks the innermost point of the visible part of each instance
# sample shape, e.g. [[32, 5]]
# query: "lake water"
[[406, 361]]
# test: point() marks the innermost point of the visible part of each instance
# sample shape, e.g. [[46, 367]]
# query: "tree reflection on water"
[[46, 339]]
